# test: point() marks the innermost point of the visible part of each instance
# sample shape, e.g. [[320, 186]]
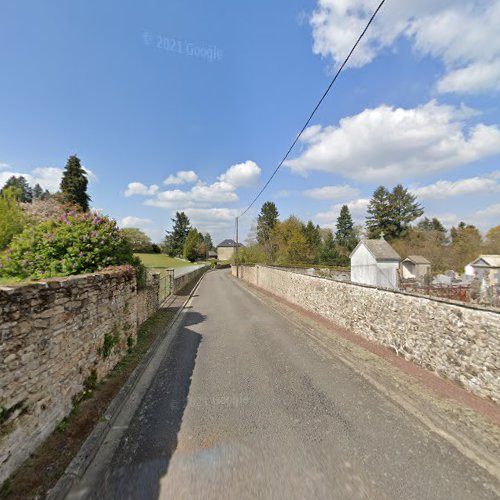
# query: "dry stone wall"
[[54, 336], [457, 341]]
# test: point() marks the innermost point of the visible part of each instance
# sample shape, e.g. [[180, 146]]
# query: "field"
[[161, 261]]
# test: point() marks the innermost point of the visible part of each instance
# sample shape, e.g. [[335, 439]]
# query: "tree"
[[434, 227], [24, 192], [139, 241], [345, 234], [11, 216], [391, 213], [37, 192], [174, 241], [208, 242], [290, 243], [493, 240], [74, 184], [266, 222], [329, 255], [194, 246], [378, 219], [465, 244], [313, 238]]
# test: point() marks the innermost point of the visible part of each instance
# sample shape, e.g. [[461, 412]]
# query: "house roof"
[[490, 260], [417, 259], [229, 243], [380, 249]]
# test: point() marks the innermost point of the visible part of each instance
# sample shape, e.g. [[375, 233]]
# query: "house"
[[211, 255], [225, 250], [485, 265], [415, 267], [375, 262]]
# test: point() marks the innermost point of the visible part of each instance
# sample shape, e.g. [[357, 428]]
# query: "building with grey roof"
[[375, 262]]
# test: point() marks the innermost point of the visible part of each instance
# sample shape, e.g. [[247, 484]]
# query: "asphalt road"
[[244, 405]]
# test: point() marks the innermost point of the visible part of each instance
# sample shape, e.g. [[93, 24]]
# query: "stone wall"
[[148, 298], [54, 335], [457, 341], [181, 281]]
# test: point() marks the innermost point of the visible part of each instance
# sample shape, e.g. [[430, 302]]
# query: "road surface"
[[245, 405]]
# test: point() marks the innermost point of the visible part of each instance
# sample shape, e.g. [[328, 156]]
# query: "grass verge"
[[47, 464]]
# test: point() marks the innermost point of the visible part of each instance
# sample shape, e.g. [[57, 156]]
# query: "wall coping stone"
[[465, 305]]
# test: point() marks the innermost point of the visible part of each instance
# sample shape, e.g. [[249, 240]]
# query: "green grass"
[[161, 261]]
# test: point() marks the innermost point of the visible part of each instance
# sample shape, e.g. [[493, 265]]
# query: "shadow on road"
[[143, 455]]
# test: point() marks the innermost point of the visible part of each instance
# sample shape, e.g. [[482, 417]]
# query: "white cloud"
[[137, 188], [182, 177], [462, 33], [131, 221], [211, 214], [356, 207], [493, 211], [242, 175], [4, 165], [447, 189], [332, 192], [386, 143], [202, 194]]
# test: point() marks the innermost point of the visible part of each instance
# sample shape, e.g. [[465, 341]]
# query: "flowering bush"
[[75, 243]]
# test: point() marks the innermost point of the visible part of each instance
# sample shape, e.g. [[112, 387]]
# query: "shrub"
[[75, 243], [11, 216]]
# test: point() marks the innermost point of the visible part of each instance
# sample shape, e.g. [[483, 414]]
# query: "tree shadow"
[[143, 455]]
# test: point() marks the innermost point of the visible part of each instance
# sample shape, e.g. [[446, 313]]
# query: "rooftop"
[[380, 249], [491, 260], [417, 259], [229, 243]]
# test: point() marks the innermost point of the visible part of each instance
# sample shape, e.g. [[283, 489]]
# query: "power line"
[[315, 109]]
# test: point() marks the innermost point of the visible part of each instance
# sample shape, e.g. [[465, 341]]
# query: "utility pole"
[[237, 248]]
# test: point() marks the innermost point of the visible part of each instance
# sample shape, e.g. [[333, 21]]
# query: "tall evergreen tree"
[[74, 184], [377, 220], [391, 213], [267, 220], [174, 241], [23, 190], [345, 234], [37, 192], [404, 209]]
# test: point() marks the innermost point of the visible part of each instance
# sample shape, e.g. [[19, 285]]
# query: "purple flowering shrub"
[[74, 243]]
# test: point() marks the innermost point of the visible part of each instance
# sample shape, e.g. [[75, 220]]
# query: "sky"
[[189, 106]]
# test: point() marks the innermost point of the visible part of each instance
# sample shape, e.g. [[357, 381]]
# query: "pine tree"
[[404, 209], [345, 234], [174, 241], [378, 209], [391, 213], [37, 192], [74, 184], [23, 190], [266, 222]]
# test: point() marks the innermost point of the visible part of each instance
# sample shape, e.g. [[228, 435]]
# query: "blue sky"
[[217, 91]]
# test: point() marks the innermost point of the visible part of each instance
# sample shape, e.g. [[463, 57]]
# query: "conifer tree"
[[37, 192], [174, 241], [22, 189], [345, 234], [74, 184], [267, 220]]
